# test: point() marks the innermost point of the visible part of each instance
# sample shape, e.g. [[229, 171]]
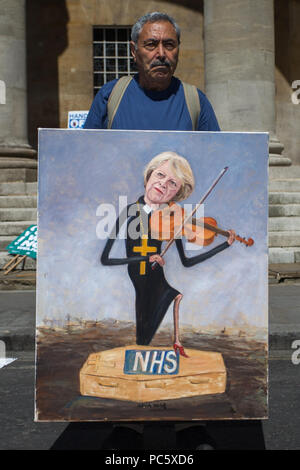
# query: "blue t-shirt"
[[142, 109]]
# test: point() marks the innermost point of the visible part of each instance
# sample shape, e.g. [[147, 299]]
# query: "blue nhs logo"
[[151, 362]]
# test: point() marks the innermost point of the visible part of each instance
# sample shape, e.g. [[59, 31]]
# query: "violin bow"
[[170, 242]]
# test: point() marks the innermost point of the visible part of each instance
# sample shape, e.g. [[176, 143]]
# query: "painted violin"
[[172, 222], [190, 231]]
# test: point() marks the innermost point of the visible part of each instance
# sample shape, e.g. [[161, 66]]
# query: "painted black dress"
[[153, 293]]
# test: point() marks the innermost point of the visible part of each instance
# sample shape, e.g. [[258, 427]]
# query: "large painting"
[[152, 287]]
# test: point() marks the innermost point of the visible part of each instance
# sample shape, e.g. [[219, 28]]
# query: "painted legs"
[[177, 345]]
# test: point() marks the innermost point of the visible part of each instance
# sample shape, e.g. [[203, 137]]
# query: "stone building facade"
[[244, 54]]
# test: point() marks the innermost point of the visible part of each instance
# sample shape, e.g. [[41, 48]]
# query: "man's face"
[[162, 185], [156, 55]]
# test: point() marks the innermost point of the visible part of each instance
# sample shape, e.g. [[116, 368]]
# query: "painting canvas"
[[152, 286]]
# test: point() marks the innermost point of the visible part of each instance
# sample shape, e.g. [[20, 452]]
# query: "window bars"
[[111, 52]]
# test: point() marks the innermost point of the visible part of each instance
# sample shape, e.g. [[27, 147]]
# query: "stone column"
[[15, 152], [240, 67]]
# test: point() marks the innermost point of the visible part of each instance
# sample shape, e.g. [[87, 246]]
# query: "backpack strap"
[[190, 93], [115, 97], [192, 102]]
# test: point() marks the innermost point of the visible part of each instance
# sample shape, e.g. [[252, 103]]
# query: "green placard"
[[25, 244]]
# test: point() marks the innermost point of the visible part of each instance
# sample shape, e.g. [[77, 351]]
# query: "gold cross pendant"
[[144, 249]]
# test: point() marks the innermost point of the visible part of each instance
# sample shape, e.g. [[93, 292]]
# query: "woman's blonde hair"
[[181, 168]]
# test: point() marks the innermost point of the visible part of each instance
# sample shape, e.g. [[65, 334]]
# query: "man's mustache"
[[158, 62]]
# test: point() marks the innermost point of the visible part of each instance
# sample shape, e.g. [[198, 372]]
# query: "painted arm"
[[189, 262], [105, 259]]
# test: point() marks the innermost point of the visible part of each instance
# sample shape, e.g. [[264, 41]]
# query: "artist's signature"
[[160, 406]]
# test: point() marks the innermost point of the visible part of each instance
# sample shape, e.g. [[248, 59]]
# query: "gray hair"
[[152, 18]]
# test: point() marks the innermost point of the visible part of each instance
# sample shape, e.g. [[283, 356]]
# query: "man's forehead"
[[157, 29]]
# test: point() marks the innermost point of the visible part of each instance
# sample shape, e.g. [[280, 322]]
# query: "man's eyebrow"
[[158, 40], [151, 40]]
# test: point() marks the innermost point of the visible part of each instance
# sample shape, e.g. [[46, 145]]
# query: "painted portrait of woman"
[[168, 178]]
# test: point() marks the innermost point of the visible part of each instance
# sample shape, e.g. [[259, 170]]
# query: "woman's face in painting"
[[162, 185]]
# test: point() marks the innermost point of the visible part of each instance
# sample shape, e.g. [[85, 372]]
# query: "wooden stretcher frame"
[[13, 263]]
